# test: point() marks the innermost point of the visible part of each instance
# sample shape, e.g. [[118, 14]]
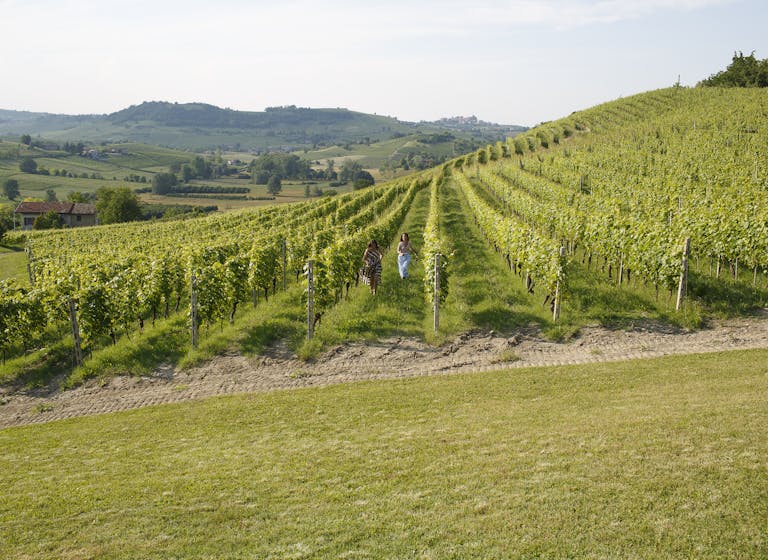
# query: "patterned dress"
[[372, 267]]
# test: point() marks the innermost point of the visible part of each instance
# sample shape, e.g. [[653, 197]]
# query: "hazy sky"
[[508, 61]]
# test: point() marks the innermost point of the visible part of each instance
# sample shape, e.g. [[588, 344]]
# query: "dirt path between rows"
[[391, 358]]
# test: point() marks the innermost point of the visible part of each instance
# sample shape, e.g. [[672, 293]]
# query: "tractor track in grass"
[[279, 369]]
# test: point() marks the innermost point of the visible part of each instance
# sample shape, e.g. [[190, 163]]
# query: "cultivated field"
[[563, 246]]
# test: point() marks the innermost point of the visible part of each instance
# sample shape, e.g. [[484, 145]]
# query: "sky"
[[507, 61]]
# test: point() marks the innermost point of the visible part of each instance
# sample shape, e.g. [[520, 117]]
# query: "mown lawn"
[[661, 458]]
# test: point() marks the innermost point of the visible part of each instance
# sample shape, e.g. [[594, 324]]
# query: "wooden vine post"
[[681, 289], [76, 333], [193, 311], [437, 291], [558, 295], [310, 299], [285, 252], [30, 267]]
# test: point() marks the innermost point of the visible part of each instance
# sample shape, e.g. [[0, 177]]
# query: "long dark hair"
[[373, 245], [404, 237]]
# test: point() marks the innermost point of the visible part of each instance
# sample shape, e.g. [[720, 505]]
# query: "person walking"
[[404, 252], [371, 271]]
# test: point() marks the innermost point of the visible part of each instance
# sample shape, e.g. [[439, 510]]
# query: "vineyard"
[[660, 200]]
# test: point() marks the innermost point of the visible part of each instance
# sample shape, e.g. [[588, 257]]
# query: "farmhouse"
[[72, 214]]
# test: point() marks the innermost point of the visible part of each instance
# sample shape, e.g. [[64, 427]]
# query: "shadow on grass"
[[166, 343], [726, 296], [259, 337], [42, 372], [503, 319], [12, 248]]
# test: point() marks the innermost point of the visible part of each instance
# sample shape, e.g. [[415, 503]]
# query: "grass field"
[[648, 459], [13, 264]]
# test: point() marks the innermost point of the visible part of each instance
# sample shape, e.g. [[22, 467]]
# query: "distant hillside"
[[199, 126]]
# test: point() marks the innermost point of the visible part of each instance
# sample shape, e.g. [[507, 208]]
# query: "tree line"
[[743, 71]]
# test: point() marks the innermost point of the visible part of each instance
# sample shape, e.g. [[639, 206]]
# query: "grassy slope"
[[648, 459], [196, 136], [141, 160], [375, 155], [13, 264]]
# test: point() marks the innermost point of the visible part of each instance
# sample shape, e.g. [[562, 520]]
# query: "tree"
[[26, 139], [116, 205], [307, 192], [77, 196], [288, 166], [202, 168], [349, 169], [163, 183], [28, 165], [11, 189], [6, 219], [50, 195], [49, 220], [187, 173], [744, 71], [274, 185], [261, 177], [363, 179]]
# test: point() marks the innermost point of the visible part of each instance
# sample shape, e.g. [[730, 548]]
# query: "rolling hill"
[[200, 126]]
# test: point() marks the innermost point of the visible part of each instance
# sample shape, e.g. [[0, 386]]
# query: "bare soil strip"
[[388, 359]]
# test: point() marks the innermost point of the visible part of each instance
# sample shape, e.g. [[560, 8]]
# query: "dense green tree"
[[72, 148], [202, 168], [349, 169], [28, 165], [77, 196], [274, 185], [116, 205], [261, 177], [11, 189], [363, 179], [49, 220], [162, 183], [744, 71], [6, 219], [26, 139], [50, 195], [187, 173], [288, 166]]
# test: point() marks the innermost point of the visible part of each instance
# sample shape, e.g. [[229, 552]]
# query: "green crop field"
[[646, 211], [562, 232]]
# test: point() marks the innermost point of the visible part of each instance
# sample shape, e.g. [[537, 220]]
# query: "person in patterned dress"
[[371, 271]]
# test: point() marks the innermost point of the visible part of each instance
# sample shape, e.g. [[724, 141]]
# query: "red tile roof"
[[58, 207]]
